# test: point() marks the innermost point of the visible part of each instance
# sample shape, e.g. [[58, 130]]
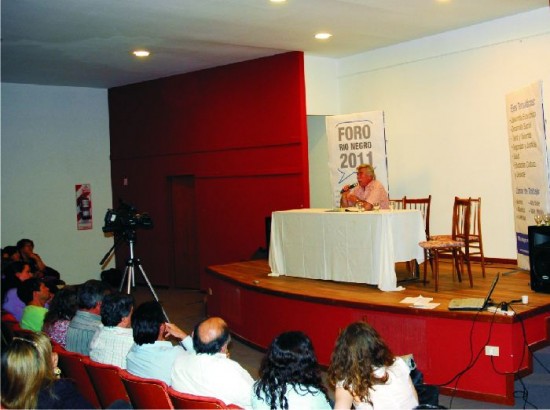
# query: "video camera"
[[125, 219]]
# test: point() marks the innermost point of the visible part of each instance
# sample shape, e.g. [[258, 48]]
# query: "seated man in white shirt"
[[210, 372], [114, 338]]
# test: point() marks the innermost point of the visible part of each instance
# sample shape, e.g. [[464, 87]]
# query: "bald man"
[[210, 372]]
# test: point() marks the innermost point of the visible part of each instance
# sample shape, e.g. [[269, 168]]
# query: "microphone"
[[349, 187]]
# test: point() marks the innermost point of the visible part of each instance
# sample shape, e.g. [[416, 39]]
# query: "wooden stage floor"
[[257, 307], [512, 285]]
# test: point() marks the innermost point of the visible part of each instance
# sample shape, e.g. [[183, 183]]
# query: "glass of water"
[[538, 219]]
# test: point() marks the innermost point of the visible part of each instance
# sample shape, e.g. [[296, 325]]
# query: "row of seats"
[[103, 384]]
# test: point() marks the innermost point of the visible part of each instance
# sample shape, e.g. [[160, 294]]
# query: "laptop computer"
[[473, 303]]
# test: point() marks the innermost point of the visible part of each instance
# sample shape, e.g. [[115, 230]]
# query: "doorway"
[[184, 232]]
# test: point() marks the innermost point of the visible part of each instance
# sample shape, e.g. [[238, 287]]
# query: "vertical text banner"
[[355, 139], [529, 161]]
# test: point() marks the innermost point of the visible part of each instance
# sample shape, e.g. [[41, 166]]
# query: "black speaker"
[[539, 258]]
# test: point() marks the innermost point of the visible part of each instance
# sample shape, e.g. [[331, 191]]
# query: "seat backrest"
[[190, 401], [397, 203], [107, 383], [462, 219], [424, 206], [475, 219], [146, 393], [72, 367]]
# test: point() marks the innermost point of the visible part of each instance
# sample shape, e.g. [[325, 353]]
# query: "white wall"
[[444, 103], [52, 139]]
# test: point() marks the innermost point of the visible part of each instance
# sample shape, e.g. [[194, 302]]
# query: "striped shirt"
[[81, 331]]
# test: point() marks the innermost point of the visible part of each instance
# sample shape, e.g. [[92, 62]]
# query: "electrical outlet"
[[491, 351]]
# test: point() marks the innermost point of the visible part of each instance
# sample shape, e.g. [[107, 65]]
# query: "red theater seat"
[[146, 393], [190, 401], [107, 382]]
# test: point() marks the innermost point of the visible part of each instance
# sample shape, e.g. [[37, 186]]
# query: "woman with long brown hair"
[[364, 372], [29, 376]]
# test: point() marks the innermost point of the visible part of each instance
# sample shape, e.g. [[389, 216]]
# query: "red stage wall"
[[239, 130]]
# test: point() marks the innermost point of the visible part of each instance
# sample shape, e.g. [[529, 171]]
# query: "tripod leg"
[[123, 279], [152, 290]]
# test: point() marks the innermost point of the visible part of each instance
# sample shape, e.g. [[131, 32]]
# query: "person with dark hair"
[[29, 381], [87, 320], [152, 354], [9, 254], [210, 372], [114, 338], [35, 295], [366, 374], [15, 274], [290, 376], [61, 310], [26, 250]]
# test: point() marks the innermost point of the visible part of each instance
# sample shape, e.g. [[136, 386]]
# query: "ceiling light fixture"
[[141, 53], [277, 1], [323, 36]]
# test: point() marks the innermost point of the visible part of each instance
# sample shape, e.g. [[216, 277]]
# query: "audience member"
[[366, 374], [61, 310], [152, 355], [29, 380], [26, 250], [16, 273], [9, 254], [290, 376], [210, 372], [35, 295], [87, 320], [114, 338], [367, 192]]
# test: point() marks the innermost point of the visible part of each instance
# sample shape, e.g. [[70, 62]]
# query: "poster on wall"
[[355, 139], [529, 162], [84, 218]]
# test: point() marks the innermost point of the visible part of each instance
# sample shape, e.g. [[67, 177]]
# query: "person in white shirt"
[[366, 374], [290, 376], [210, 372], [113, 340]]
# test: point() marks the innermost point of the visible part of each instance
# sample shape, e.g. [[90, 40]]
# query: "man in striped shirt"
[[87, 319]]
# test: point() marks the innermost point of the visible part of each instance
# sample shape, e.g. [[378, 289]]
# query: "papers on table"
[[420, 302]]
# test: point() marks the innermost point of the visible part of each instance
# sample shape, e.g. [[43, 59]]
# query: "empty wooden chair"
[[107, 383], [190, 401], [72, 366], [454, 245], [396, 203], [424, 206], [146, 393]]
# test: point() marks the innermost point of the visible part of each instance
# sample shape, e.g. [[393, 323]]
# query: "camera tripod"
[[130, 270]]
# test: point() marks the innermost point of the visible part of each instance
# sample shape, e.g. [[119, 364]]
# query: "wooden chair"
[[424, 206], [107, 383], [454, 245], [72, 367], [471, 235], [397, 203], [146, 393], [474, 237], [190, 401]]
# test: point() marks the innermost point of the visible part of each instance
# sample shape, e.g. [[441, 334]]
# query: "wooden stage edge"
[[448, 347]]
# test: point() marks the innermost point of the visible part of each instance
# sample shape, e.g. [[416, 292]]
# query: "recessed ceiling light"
[[141, 53], [323, 36], [277, 1]]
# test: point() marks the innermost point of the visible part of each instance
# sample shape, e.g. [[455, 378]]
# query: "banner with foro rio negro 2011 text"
[[355, 139]]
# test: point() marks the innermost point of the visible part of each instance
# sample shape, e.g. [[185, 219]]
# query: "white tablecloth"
[[345, 246]]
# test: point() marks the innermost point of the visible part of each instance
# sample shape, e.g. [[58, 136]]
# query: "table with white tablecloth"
[[360, 247]]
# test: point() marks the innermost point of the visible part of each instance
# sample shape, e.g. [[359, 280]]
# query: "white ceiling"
[[87, 43]]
